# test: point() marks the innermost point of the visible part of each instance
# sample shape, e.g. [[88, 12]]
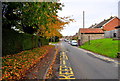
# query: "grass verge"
[[107, 47]]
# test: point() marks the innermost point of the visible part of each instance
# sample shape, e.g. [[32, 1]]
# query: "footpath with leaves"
[[16, 66]]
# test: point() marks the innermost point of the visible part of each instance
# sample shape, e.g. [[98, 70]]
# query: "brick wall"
[[85, 37]]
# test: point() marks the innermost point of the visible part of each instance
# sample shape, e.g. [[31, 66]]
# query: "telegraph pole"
[[83, 25], [83, 19], [80, 41]]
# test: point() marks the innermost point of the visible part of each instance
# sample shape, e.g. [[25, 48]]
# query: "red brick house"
[[108, 24], [109, 27]]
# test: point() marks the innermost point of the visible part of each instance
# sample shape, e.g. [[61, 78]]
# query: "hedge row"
[[14, 42]]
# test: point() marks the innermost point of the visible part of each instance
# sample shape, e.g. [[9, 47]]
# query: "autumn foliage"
[[15, 66], [38, 18], [55, 27]]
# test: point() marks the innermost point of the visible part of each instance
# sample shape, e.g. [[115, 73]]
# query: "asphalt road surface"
[[87, 67]]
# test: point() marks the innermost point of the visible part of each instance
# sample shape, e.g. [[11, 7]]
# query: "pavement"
[[38, 71], [84, 64]]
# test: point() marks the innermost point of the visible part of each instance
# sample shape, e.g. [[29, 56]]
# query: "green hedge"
[[44, 41], [14, 42]]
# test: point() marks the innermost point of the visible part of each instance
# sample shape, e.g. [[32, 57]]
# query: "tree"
[[38, 18], [10, 14]]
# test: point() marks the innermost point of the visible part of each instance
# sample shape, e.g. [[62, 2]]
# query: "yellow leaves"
[[53, 26], [49, 19], [17, 74], [39, 18], [71, 20], [54, 16], [47, 15], [15, 66]]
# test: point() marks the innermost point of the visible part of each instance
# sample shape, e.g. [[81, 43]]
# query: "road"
[[85, 66]]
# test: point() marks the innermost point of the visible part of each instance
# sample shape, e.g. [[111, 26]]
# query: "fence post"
[[89, 40]]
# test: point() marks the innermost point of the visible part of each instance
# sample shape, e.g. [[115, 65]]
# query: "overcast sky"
[[95, 12]]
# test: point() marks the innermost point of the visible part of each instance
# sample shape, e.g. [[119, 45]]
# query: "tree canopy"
[[39, 18]]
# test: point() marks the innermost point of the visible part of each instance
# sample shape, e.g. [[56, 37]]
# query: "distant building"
[[86, 34], [75, 37]]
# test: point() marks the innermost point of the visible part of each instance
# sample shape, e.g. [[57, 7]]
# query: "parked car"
[[66, 40], [74, 43]]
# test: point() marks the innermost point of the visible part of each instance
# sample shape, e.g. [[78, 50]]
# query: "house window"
[[114, 34]]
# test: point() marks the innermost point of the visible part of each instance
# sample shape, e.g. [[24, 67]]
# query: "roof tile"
[[91, 30]]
